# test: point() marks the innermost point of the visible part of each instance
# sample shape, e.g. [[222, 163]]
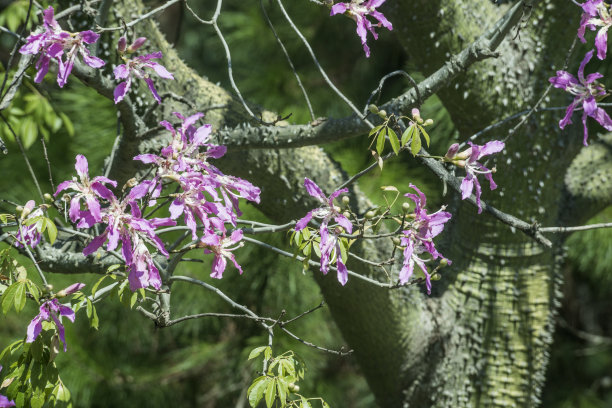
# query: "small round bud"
[[428, 122], [346, 214], [436, 277], [382, 114], [294, 387], [396, 241], [337, 209], [419, 120], [369, 215], [345, 200], [373, 108], [452, 151], [48, 197], [47, 288], [443, 262], [19, 209], [66, 198], [405, 207]]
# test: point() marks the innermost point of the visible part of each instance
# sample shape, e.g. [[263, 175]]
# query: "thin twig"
[[141, 18], [578, 228], [42, 140]]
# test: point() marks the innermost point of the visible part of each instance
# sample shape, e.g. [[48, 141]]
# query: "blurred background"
[[203, 363]]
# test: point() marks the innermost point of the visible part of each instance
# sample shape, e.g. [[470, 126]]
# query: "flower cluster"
[[128, 226], [52, 310], [29, 234], [359, 11], [469, 159], [134, 67], [5, 402], [64, 46], [586, 91], [329, 244], [419, 238], [596, 13], [206, 194]]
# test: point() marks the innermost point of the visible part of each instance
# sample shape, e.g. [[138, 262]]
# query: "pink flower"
[[136, 67], [29, 234], [596, 14], [62, 45], [468, 159], [586, 91], [90, 190], [52, 310], [419, 238], [359, 11], [221, 246]]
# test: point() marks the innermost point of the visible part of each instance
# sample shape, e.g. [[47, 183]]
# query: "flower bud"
[[452, 151], [19, 210], [405, 207], [396, 241], [121, 45], [346, 214], [428, 122], [48, 197], [137, 44], [382, 114], [443, 262], [373, 108], [369, 215], [436, 277], [345, 200], [337, 209], [294, 387]]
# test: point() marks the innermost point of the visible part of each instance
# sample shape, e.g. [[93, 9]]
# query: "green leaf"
[[283, 390], [256, 390], [395, 144], [415, 146], [37, 400], [375, 130], [29, 132], [33, 220], [270, 393], [380, 142], [8, 298], [305, 403], [33, 289], [256, 351], [424, 134], [268, 353], [51, 230], [20, 296], [408, 133]]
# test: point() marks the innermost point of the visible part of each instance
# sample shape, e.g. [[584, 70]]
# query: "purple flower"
[[135, 67], [329, 242], [133, 231], [5, 402], [52, 310], [586, 91], [419, 238], [221, 246], [90, 190], [64, 46], [469, 160], [29, 234], [596, 14], [358, 11]]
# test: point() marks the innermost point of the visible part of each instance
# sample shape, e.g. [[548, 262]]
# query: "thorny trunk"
[[482, 338]]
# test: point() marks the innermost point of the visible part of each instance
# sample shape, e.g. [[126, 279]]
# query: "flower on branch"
[[587, 92], [52, 310], [468, 159], [5, 402], [359, 11], [64, 46], [90, 190], [221, 246], [29, 234], [418, 240], [329, 240], [135, 67], [596, 14]]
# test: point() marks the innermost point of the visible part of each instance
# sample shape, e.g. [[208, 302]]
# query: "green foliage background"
[[129, 362]]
